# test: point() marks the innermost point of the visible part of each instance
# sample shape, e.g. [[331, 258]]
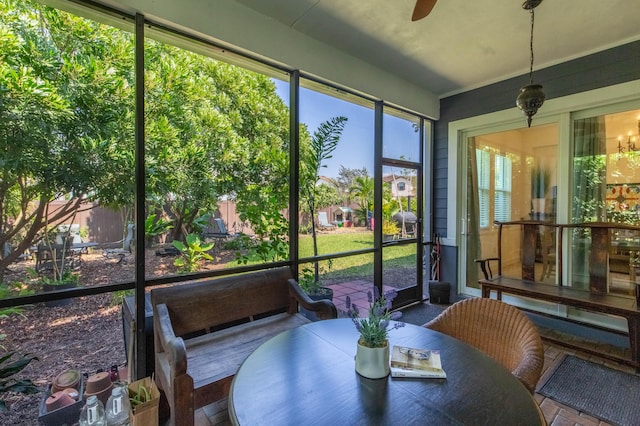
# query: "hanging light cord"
[[531, 49]]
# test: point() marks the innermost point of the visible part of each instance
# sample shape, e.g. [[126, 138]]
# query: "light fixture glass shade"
[[531, 98]]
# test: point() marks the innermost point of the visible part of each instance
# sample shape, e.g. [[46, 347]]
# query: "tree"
[[214, 130], [323, 142], [362, 189], [345, 181], [65, 119]]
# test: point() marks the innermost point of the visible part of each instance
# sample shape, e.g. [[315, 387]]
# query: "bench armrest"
[[485, 266], [169, 343], [324, 309]]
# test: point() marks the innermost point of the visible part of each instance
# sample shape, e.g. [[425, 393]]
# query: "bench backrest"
[[210, 303], [599, 249]]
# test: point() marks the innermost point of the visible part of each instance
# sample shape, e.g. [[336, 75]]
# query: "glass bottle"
[[92, 413], [118, 407]]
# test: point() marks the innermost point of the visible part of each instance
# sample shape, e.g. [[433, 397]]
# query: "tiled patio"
[[358, 291]]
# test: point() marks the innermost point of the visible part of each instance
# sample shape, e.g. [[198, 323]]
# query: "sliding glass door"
[[510, 176]]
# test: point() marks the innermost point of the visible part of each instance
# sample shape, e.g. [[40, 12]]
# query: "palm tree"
[[362, 189], [323, 142]]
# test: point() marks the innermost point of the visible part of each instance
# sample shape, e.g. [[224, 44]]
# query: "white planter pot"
[[372, 363]]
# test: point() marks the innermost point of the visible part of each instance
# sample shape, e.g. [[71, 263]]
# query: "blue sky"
[[355, 149]]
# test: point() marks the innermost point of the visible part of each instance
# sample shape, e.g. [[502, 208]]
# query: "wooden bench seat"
[[603, 303], [204, 330], [596, 299]]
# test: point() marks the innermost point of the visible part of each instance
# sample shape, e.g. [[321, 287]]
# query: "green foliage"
[[67, 277], [323, 142], [154, 227], [217, 130], [238, 243], [389, 227], [192, 254], [66, 104], [308, 282], [362, 189], [117, 297], [588, 197], [270, 226], [9, 369], [13, 289]]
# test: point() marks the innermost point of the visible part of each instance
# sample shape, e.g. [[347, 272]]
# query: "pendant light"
[[531, 97]]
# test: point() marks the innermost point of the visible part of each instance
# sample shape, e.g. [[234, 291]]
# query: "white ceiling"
[[462, 44]]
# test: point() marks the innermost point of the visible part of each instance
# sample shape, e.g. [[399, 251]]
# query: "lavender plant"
[[374, 329]]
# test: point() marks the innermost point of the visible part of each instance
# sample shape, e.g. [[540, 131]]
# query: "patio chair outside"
[[323, 221], [126, 246], [217, 229]]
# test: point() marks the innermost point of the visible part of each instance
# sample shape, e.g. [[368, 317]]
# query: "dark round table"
[[307, 376]]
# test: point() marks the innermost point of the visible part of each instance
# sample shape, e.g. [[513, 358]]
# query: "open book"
[[410, 362]]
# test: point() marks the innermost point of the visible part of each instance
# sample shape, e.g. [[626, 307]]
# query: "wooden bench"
[[596, 299], [204, 330]]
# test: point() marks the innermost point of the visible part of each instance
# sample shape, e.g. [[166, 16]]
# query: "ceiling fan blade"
[[422, 9]]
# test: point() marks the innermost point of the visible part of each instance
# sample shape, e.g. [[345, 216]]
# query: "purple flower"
[[369, 297], [354, 310], [348, 302], [378, 310]]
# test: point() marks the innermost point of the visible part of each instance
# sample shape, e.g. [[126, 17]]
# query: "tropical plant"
[[323, 142], [154, 227], [362, 189], [374, 329], [192, 254], [8, 381]]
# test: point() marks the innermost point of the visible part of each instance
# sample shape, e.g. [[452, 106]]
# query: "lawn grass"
[[357, 265], [360, 265]]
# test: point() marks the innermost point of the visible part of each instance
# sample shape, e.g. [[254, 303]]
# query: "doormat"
[[602, 392]]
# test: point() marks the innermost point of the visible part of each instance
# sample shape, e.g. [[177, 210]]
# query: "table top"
[[307, 376]]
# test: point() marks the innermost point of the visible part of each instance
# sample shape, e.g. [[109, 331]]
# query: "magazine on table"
[[412, 362]]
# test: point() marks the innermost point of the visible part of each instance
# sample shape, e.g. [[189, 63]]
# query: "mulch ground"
[[86, 334]]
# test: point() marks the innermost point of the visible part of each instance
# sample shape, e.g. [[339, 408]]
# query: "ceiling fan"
[[422, 9]]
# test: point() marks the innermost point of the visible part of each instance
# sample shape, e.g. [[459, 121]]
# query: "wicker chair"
[[500, 331]]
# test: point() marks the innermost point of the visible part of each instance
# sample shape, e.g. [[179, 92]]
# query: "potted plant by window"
[[372, 356], [389, 230], [314, 288], [63, 281]]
